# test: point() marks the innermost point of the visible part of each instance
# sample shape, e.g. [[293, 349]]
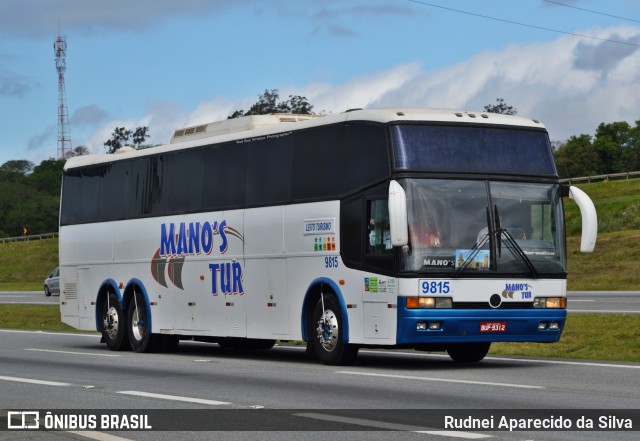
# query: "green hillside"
[[613, 264], [24, 265]]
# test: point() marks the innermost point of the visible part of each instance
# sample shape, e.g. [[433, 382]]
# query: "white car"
[[52, 283]]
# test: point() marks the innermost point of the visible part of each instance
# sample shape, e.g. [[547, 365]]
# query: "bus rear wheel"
[[468, 352], [140, 336], [114, 333], [327, 333]]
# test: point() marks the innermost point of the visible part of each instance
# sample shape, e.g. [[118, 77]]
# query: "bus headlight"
[[550, 302], [429, 302]]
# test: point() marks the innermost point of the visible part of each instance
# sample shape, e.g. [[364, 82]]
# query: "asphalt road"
[[604, 301], [578, 301], [28, 297], [297, 398]]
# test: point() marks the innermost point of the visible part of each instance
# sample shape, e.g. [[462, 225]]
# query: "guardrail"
[[28, 238], [626, 175]]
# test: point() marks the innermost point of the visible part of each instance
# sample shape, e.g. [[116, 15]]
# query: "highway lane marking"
[[73, 353], [27, 303], [572, 363], [391, 426], [521, 360], [442, 380], [98, 436], [75, 334], [32, 381], [173, 398]]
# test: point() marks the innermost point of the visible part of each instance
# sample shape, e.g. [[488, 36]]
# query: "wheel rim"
[[328, 330], [110, 323], [138, 324]]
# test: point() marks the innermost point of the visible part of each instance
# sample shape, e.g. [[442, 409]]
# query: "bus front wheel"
[[114, 333], [327, 334], [468, 352]]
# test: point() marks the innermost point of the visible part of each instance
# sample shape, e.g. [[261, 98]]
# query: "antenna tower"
[[64, 138]]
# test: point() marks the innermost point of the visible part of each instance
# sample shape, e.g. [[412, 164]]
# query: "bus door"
[[378, 288]]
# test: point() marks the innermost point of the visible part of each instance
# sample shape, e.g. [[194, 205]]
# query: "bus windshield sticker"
[[480, 261], [380, 285]]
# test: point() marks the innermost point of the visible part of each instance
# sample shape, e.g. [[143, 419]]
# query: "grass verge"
[[613, 265], [613, 337], [32, 317]]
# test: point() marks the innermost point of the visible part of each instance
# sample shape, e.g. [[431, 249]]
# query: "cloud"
[[14, 85], [336, 20], [46, 136], [90, 115], [17, 17], [541, 81], [604, 56]]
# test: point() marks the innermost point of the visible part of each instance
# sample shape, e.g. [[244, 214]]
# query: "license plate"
[[493, 326]]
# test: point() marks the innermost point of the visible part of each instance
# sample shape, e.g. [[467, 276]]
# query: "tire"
[[325, 331], [140, 336], [114, 332], [468, 352], [46, 291]]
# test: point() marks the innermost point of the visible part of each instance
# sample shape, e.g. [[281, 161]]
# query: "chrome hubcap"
[[137, 324], [110, 323], [328, 330]]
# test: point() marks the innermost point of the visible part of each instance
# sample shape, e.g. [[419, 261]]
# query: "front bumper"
[[463, 325]]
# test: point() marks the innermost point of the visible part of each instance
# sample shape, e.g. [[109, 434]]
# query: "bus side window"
[[379, 234]]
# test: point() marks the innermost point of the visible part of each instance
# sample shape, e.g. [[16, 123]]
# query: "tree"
[[140, 135], [500, 107], [616, 145], [15, 170], [47, 176], [120, 137], [577, 157], [268, 103], [77, 151], [29, 196]]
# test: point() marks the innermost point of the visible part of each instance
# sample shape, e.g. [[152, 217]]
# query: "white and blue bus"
[[437, 230]]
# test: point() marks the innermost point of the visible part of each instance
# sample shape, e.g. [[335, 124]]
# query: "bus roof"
[[261, 125]]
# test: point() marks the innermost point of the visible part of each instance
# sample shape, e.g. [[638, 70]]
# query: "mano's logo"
[[177, 241]]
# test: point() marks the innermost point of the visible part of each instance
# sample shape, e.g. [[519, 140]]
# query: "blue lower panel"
[[463, 325]]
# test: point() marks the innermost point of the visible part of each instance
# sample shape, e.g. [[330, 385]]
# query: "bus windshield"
[[462, 227]]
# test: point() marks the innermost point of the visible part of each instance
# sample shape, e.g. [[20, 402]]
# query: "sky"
[[166, 64]]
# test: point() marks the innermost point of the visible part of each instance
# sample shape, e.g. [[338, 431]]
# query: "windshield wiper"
[[491, 231], [513, 246]]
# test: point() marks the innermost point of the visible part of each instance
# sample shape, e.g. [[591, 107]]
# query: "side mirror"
[[398, 223], [589, 219]]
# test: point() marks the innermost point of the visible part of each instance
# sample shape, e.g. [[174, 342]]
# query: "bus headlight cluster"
[[429, 302], [550, 302]]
